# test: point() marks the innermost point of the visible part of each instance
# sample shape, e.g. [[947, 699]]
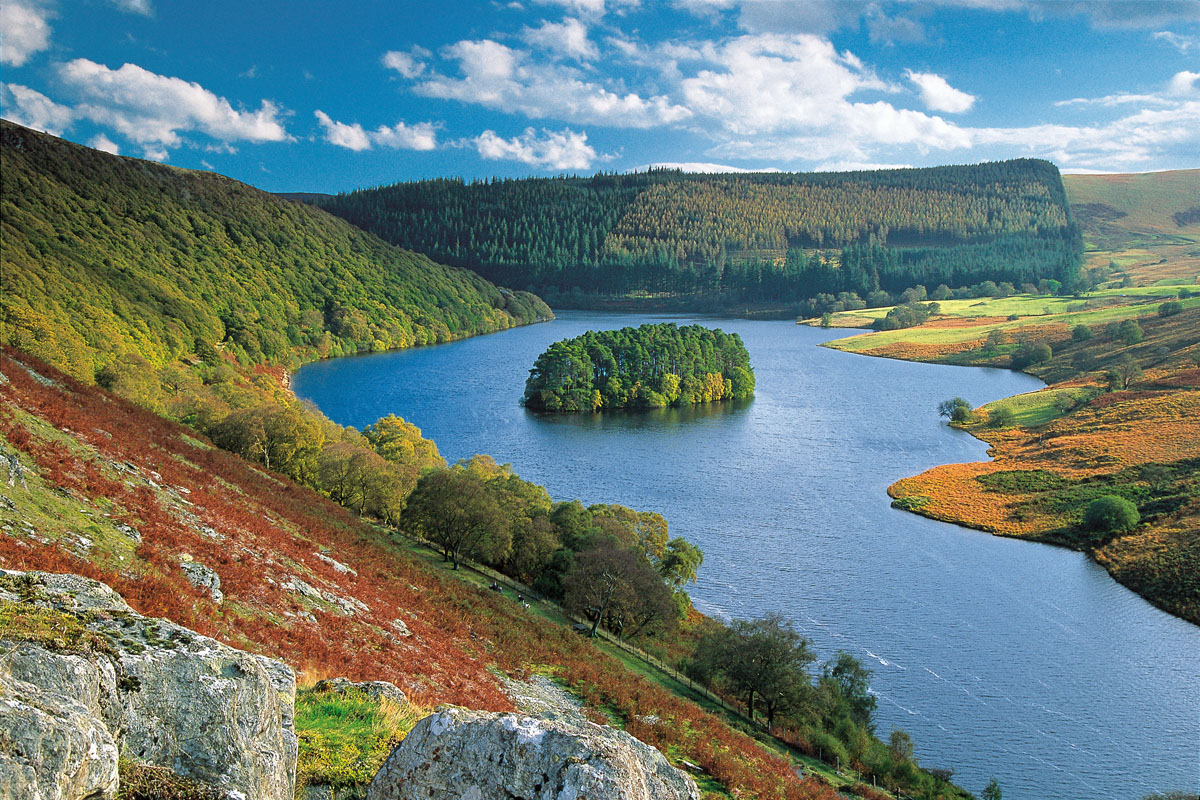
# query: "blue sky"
[[318, 96]]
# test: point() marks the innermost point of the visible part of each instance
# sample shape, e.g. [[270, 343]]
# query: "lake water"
[[999, 657]]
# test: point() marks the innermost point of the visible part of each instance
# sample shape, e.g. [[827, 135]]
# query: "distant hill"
[[303, 197], [741, 237], [105, 256], [1146, 203]]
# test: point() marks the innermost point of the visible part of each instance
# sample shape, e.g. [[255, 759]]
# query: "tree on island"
[[648, 367]]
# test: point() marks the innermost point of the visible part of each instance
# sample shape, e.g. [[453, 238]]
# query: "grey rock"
[[488, 756], [373, 689], [297, 586], [202, 577], [337, 565], [168, 696], [51, 747], [400, 628]]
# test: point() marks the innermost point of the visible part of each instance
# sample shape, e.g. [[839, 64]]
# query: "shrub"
[[1170, 308], [1110, 514], [1031, 353], [1001, 417], [1081, 333], [1129, 332]]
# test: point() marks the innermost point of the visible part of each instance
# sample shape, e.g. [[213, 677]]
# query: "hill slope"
[[744, 236], [1144, 226], [104, 256]]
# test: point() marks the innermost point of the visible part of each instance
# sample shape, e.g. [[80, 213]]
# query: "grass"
[[1045, 405], [147, 782], [346, 736]]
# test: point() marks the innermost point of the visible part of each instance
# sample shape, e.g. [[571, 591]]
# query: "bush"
[[1031, 353], [1001, 417], [1130, 332], [1081, 333], [1111, 514], [1170, 308]]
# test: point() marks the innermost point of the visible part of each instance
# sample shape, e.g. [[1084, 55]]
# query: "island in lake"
[[651, 366]]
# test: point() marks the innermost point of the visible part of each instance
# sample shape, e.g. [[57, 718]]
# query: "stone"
[[484, 755], [165, 695], [337, 565], [202, 577], [379, 690], [52, 747]]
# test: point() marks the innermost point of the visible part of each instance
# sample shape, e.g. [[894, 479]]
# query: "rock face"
[[479, 755], [162, 694]]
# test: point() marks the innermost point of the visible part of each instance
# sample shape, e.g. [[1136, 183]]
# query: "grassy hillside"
[[737, 238], [1145, 226], [105, 256], [114, 492]]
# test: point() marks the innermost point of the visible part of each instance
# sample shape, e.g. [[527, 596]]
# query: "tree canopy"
[[647, 367]]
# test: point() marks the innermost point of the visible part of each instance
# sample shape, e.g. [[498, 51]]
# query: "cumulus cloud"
[[558, 150], [567, 38], [591, 8], [497, 76], [1184, 84], [24, 30], [102, 142], [937, 95], [410, 64], [33, 109], [152, 110], [401, 136], [351, 137]]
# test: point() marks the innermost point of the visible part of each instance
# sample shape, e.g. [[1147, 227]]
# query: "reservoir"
[[999, 657]]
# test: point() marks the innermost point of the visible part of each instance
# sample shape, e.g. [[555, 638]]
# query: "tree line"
[[749, 237], [651, 366]]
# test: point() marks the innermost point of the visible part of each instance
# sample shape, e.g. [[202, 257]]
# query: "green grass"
[[1038, 408], [1144, 305], [346, 736]]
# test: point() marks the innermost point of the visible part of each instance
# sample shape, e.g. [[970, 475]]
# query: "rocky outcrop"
[[479, 755], [161, 693]]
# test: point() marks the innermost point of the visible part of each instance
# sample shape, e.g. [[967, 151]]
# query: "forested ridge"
[[646, 367], [105, 256], [742, 237]]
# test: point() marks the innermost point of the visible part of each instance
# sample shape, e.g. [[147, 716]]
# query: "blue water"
[[999, 657]]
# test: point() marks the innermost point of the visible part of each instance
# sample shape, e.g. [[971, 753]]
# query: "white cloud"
[[591, 8], [560, 150], [1184, 84], [1178, 41], [152, 110], [142, 7], [33, 109], [937, 95], [24, 30], [351, 137], [409, 64], [567, 38], [103, 143], [401, 136], [702, 167], [500, 77], [856, 166]]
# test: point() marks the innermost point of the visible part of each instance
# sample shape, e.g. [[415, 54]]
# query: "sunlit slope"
[[1151, 202], [104, 255]]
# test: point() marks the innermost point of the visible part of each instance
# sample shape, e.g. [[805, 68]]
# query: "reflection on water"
[[999, 657]]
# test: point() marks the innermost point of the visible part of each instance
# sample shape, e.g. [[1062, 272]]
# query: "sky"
[[326, 97]]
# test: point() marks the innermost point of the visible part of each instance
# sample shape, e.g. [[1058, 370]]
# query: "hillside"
[[1145, 225], [1120, 417], [737, 238], [108, 490], [105, 256]]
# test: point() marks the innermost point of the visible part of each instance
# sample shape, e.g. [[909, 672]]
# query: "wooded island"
[[652, 366]]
